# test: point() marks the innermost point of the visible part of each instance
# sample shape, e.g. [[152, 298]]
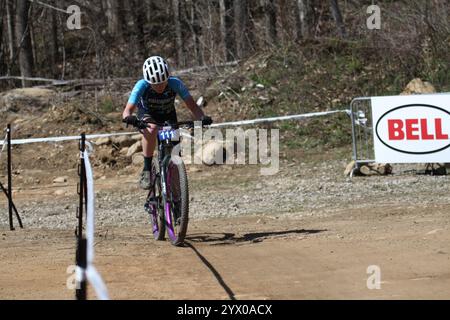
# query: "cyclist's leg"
[[149, 141], [149, 134], [146, 180]]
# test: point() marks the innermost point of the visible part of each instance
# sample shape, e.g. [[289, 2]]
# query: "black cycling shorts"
[[157, 116]]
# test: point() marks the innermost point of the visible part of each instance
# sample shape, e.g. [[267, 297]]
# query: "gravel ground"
[[298, 190]]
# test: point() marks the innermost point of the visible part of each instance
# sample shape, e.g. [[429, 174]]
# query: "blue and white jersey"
[[143, 96]]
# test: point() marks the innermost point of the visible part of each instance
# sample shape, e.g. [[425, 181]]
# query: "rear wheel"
[[155, 206], [177, 206]]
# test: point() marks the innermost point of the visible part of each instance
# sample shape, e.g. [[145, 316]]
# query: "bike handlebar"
[[143, 124], [177, 124]]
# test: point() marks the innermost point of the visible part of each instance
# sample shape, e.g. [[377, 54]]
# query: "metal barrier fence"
[[362, 131]]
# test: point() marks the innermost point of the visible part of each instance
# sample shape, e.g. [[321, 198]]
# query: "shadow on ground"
[[231, 238]]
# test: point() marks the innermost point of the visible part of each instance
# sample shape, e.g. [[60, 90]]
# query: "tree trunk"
[[54, 43], [34, 56], [226, 25], [113, 15], [191, 12], [178, 34], [270, 20], [240, 26], [305, 18], [149, 9], [10, 27], [138, 12], [2, 51], [336, 12], [24, 41]]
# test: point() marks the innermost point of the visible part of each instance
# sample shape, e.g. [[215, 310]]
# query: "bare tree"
[[270, 20], [225, 29], [53, 42], [149, 5], [113, 14], [194, 26], [178, 34], [2, 51], [139, 19], [240, 27], [10, 28], [305, 18], [24, 40], [336, 12], [286, 29]]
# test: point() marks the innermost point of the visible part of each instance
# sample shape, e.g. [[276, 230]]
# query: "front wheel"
[[177, 204]]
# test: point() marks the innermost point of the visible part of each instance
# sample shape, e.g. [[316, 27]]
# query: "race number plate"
[[170, 134]]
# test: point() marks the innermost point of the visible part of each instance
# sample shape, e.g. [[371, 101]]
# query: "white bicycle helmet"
[[155, 70]]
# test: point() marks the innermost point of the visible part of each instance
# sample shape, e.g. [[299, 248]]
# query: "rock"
[[122, 141], [17, 99], [417, 86], [59, 192], [335, 102], [105, 155], [137, 159], [102, 141], [60, 179], [136, 137], [213, 152], [33, 92], [134, 148], [260, 86]]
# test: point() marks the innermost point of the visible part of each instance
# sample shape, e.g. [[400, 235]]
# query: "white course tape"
[[273, 119], [92, 274], [215, 125], [68, 138]]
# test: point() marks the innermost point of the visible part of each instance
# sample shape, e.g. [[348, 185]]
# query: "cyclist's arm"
[[194, 108], [128, 111], [178, 86], [134, 98]]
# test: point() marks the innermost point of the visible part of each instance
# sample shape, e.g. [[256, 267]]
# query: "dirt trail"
[[246, 258], [307, 232]]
